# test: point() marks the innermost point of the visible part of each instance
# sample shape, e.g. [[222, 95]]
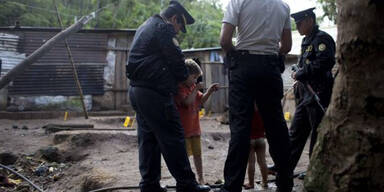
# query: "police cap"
[[187, 19], [301, 15]]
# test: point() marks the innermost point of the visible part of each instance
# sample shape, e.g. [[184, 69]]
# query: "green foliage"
[[121, 14], [329, 8], [206, 29], [293, 25]]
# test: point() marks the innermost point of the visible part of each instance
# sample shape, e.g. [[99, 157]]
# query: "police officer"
[[155, 66], [314, 79], [254, 76]]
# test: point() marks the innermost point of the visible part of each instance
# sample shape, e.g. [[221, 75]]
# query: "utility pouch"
[[232, 58]]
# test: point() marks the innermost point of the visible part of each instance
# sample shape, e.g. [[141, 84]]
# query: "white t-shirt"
[[259, 23]]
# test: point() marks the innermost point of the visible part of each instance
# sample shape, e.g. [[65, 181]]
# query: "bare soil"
[[96, 159]]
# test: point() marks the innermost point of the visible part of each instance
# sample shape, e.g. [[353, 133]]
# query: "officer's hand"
[[213, 87], [293, 75]]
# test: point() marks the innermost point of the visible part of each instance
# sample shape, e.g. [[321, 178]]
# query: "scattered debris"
[[23, 188], [15, 127], [50, 154], [42, 170], [7, 158], [24, 127], [5, 182]]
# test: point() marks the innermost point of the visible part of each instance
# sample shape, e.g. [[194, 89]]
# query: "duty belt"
[[254, 52]]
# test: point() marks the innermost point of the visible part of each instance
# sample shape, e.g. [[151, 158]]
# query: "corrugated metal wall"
[[52, 74], [8, 52]]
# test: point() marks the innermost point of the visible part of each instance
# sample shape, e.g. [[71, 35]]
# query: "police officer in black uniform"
[[314, 79], [155, 67]]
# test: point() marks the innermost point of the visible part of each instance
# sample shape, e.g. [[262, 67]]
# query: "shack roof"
[[57, 29]]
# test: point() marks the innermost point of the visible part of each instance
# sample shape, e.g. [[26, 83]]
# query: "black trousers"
[[256, 78], [305, 121], [159, 132]]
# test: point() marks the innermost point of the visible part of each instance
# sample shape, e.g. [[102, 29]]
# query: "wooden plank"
[[120, 77], [208, 82]]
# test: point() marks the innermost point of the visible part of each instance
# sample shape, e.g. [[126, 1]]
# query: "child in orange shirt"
[[188, 102]]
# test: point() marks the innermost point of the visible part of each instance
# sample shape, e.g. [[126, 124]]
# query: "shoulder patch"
[[322, 47], [175, 42]]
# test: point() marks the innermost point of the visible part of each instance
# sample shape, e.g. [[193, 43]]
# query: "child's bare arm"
[[214, 87]]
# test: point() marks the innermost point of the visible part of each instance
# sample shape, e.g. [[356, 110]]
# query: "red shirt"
[[257, 127], [189, 115]]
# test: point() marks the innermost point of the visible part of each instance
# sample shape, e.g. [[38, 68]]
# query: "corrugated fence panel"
[[85, 47], [8, 52], [58, 80], [52, 74]]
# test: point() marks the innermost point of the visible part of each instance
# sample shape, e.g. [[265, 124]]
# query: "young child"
[[258, 146], [188, 101]]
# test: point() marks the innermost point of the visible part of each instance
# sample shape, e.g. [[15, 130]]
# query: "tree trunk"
[[349, 154]]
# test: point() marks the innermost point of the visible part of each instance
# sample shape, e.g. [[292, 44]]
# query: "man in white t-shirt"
[[256, 62]]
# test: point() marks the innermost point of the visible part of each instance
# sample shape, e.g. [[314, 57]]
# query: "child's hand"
[[213, 87]]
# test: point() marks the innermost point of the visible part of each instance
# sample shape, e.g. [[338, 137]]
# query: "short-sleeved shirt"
[[189, 115], [257, 127], [259, 23]]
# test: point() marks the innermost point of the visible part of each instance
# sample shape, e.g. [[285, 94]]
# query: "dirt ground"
[[97, 159]]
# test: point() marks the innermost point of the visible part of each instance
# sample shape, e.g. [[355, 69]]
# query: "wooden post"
[[75, 76]]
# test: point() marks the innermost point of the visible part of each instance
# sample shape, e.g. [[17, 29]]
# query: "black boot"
[[192, 188], [154, 189]]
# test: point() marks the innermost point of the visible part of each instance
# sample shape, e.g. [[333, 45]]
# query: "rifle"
[[295, 68]]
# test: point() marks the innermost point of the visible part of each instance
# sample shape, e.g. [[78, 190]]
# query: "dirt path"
[[110, 157]]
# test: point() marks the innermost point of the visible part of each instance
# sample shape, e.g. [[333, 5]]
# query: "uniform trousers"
[[159, 132], [256, 78], [305, 121]]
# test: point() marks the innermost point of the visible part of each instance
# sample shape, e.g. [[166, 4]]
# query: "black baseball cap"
[[187, 19]]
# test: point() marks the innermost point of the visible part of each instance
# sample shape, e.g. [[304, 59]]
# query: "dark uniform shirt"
[[316, 62], [155, 59]]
